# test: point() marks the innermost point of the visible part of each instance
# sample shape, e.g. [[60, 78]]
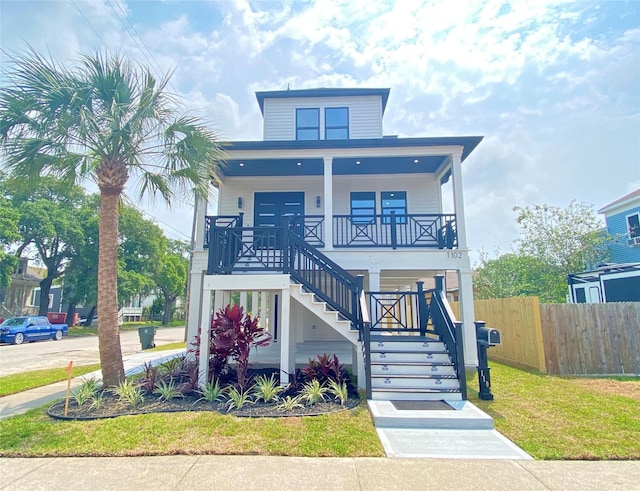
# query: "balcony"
[[437, 231]]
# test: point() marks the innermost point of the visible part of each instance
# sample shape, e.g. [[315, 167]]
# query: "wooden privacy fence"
[[564, 339]]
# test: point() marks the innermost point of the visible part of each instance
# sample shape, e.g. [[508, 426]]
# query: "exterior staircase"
[[324, 312], [415, 368]]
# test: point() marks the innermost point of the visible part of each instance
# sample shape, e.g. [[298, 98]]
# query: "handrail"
[[450, 332], [225, 221], [365, 337], [324, 277]]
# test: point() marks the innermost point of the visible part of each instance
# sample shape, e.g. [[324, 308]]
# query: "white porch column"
[[468, 316], [254, 304], [458, 199], [287, 338], [357, 365], [203, 368], [264, 314], [243, 300], [199, 214], [193, 312], [328, 203]]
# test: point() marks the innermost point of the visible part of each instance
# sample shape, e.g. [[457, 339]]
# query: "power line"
[[87, 21]]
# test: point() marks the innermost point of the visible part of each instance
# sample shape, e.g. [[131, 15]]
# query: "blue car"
[[17, 330]]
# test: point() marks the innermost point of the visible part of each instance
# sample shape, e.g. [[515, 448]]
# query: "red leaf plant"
[[233, 334]]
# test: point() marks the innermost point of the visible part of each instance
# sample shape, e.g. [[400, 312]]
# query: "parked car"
[[17, 330], [83, 320]]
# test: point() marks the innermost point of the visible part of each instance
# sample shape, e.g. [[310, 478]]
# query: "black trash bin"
[[147, 334]]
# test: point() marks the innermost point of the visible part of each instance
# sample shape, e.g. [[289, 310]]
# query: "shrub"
[[324, 369], [339, 391], [267, 388], [167, 391], [212, 392], [313, 392], [129, 393], [233, 334], [238, 398], [289, 404]]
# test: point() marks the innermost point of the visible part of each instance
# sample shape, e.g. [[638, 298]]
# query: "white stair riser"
[[319, 309], [381, 395], [407, 346], [411, 370], [414, 383], [409, 357]]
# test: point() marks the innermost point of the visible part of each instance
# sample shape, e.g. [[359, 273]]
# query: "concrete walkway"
[[29, 399], [207, 472]]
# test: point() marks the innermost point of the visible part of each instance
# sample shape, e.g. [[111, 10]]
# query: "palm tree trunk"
[[108, 328]]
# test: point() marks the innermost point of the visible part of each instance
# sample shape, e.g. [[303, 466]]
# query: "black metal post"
[[423, 309], [462, 375], [484, 377], [394, 232]]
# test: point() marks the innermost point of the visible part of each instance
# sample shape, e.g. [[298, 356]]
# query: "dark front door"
[[271, 209]]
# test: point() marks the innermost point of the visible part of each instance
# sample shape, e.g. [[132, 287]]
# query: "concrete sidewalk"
[[22, 402], [206, 472]]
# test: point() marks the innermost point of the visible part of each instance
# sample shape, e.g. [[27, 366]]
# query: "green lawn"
[[342, 434], [564, 418], [549, 417], [11, 384]]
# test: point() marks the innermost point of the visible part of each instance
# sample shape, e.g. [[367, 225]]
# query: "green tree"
[[48, 221], [9, 233], [570, 239], [106, 119], [518, 275], [171, 276]]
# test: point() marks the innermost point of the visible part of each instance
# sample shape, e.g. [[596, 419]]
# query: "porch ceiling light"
[[357, 162], [241, 164], [298, 163], [415, 161]]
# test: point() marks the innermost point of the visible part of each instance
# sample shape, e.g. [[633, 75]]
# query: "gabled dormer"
[[322, 114]]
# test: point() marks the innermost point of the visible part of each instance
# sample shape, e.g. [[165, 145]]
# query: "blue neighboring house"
[[623, 224]]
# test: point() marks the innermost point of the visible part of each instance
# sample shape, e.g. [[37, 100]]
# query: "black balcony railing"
[[393, 230], [389, 231]]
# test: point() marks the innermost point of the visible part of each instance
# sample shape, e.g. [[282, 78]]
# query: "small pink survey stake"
[[66, 402]]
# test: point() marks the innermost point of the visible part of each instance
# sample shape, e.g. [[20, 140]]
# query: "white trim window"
[[633, 225], [308, 123]]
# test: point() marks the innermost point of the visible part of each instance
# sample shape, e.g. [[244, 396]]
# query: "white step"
[[409, 357], [414, 395], [411, 369], [400, 382], [407, 345], [464, 416]]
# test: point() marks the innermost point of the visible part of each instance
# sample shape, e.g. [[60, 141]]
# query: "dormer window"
[[308, 124], [336, 123]]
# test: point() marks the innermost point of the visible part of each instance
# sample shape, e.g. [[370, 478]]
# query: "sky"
[[553, 86]]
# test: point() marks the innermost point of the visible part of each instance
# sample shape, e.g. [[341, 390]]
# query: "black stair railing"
[[322, 276], [450, 332]]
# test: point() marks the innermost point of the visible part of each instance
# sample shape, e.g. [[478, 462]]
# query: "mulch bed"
[[112, 406]]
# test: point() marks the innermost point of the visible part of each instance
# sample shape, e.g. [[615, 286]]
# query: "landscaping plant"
[[212, 392], [167, 391], [129, 393], [324, 368], [266, 389], [238, 398], [313, 392], [339, 391], [233, 334]]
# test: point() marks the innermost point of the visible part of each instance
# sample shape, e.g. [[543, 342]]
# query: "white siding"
[[365, 115], [246, 187], [423, 192]]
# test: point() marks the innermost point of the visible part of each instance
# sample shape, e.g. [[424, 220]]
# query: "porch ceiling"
[[341, 166], [375, 156]]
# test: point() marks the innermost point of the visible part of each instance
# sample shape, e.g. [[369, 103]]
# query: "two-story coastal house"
[[327, 229], [623, 225], [619, 280]]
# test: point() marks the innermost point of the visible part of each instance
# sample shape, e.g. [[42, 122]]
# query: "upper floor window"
[[633, 225], [363, 207], [308, 124], [394, 201], [336, 123]]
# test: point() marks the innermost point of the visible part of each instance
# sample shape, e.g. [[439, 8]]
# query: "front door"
[[271, 209]]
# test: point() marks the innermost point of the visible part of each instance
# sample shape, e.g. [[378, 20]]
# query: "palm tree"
[[109, 120]]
